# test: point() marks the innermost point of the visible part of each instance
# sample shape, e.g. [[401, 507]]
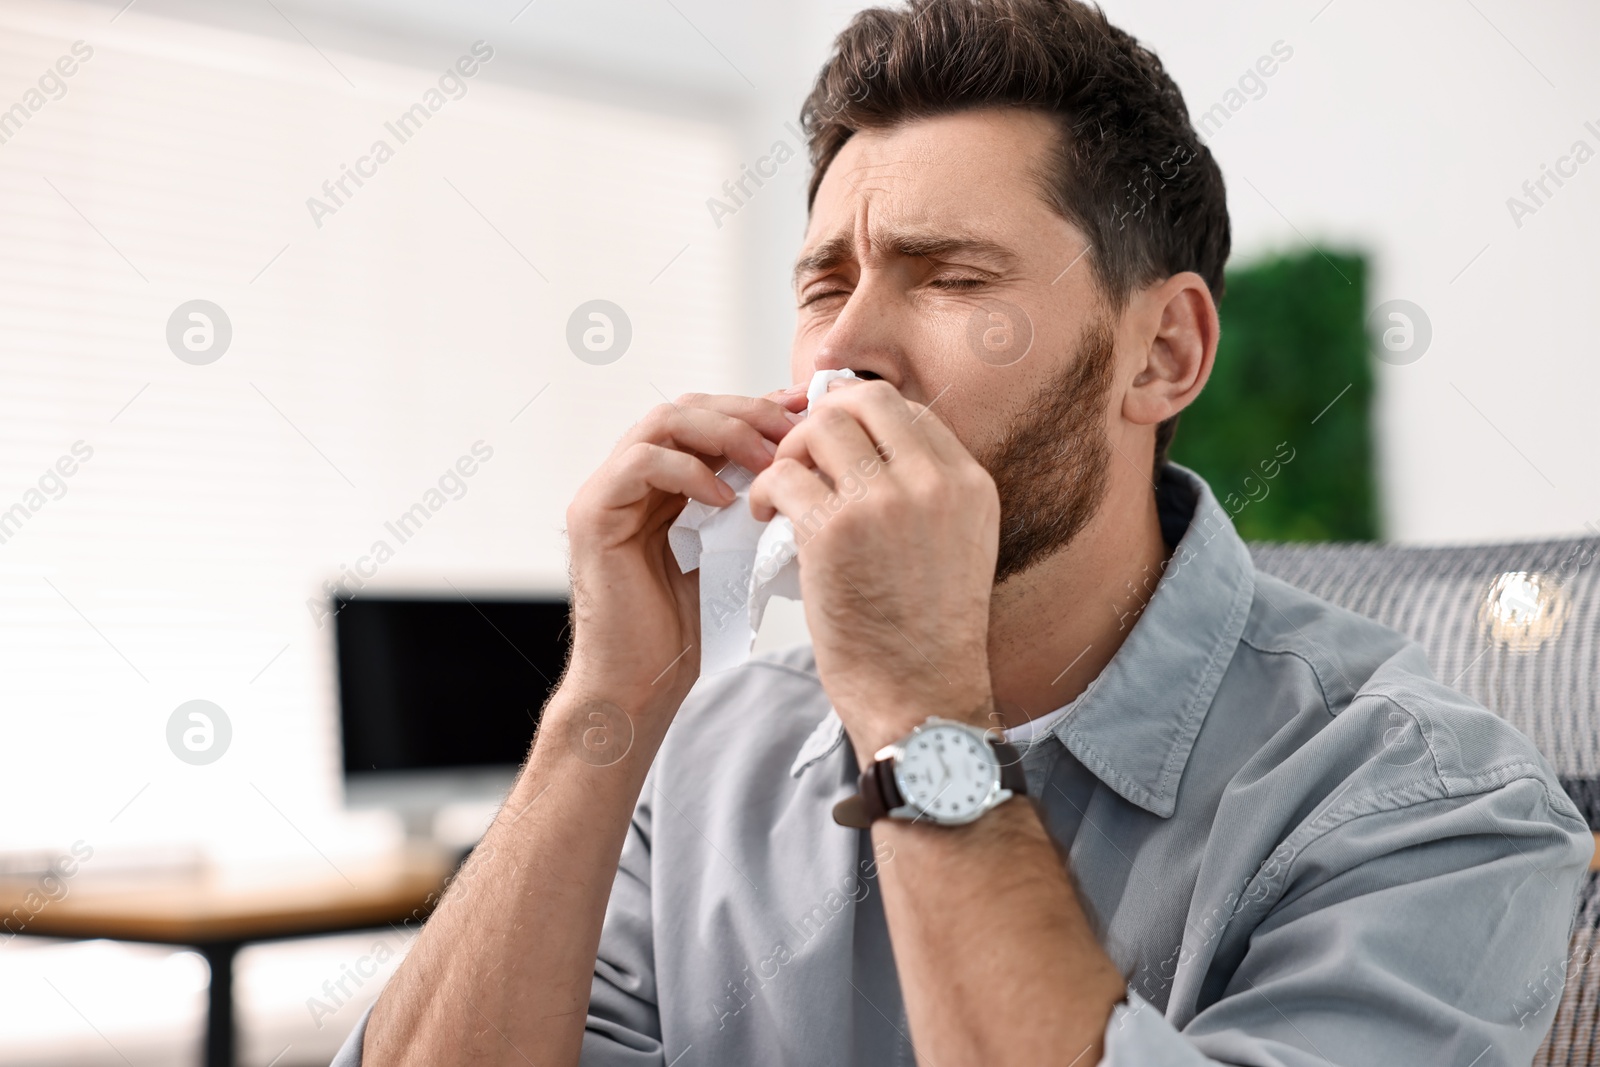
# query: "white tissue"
[[743, 563]]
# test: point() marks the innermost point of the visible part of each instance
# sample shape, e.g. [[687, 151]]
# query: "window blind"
[[374, 348]]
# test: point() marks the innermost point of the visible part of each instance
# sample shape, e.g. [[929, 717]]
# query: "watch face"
[[946, 772]]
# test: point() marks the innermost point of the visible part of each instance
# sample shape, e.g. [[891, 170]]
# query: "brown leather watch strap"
[[1011, 776], [876, 796], [877, 793], [851, 812], [879, 790]]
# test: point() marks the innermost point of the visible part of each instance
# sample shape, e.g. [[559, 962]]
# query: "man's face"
[[933, 260]]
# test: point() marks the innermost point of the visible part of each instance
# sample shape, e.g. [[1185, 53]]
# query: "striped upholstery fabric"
[[1574, 1040], [1516, 627]]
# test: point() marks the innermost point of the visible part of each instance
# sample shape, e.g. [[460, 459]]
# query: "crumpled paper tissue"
[[743, 563]]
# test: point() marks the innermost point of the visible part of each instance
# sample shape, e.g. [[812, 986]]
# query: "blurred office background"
[[415, 325]]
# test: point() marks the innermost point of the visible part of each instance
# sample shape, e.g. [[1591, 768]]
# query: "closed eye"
[[826, 294], [957, 284]]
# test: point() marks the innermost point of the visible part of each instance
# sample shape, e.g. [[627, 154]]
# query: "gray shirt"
[[1298, 846]]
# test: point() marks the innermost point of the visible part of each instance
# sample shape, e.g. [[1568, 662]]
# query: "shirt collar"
[[1135, 725], [821, 741]]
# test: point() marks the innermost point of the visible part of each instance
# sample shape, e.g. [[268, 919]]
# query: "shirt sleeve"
[[1432, 933], [624, 1023]]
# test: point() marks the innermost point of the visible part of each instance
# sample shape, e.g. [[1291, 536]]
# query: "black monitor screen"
[[429, 684]]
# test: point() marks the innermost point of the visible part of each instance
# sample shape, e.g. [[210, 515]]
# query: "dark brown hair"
[[1130, 172]]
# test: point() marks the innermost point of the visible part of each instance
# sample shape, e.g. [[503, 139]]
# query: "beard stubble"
[[1051, 465]]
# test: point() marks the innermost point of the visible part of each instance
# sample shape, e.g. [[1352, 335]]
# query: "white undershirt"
[[1025, 732]]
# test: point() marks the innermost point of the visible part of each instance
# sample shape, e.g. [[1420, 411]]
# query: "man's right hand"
[[485, 983], [635, 616]]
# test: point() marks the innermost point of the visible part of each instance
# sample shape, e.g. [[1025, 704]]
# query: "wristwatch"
[[945, 772]]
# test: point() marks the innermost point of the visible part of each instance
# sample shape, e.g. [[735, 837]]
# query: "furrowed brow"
[[940, 246], [832, 252], [840, 248]]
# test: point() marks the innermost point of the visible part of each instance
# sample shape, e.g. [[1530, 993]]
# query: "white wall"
[[1400, 131], [372, 349], [407, 328]]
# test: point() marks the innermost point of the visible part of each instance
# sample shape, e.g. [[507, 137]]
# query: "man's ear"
[[1178, 330]]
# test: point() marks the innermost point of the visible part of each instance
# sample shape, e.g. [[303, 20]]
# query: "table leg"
[[219, 1050]]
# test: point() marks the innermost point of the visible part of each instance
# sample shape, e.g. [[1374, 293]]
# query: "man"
[[1255, 830]]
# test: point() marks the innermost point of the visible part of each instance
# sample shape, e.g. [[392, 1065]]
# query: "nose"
[[865, 337]]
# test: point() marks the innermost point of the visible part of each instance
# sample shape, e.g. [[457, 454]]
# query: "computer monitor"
[[439, 696]]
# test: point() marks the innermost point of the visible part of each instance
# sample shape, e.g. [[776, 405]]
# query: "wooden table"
[[218, 917]]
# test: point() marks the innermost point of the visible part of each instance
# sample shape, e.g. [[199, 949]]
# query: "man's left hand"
[[898, 529]]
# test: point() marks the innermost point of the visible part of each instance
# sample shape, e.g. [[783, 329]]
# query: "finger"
[[768, 417], [790, 488], [706, 432], [645, 467], [791, 398], [772, 418], [832, 441], [940, 438], [882, 412]]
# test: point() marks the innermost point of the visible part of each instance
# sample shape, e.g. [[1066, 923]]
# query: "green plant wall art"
[[1283, 430]]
